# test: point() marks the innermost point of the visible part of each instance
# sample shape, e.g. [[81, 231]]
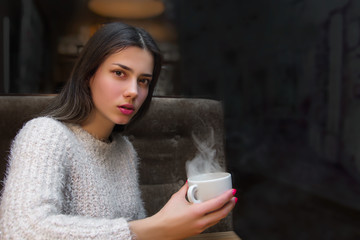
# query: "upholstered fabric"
[[163, 140]]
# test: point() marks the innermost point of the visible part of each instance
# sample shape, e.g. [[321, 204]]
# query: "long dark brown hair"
[[74, 103]]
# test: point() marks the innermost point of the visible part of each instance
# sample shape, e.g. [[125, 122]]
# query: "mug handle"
[[191, 194]]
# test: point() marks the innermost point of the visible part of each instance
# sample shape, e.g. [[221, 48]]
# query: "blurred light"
[[127, 9], [161, 31]]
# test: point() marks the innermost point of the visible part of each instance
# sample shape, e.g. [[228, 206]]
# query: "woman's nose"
[[131, 89]]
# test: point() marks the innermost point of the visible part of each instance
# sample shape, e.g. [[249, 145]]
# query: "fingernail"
[[234, 192], [236, 199]]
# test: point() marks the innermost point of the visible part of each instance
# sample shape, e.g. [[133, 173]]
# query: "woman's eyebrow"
[[146, 75], [123, 66], [131, 70]]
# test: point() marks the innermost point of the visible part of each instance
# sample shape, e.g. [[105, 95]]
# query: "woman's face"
[[121, 84]]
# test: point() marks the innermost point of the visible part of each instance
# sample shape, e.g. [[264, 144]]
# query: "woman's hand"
[[179, 219]]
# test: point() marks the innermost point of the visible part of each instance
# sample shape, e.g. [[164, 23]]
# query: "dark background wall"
[[287, 72]]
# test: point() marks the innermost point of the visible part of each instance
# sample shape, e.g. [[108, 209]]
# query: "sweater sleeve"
[[31, 204]]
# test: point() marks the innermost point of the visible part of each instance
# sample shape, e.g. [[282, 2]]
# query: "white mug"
[[207, 186]]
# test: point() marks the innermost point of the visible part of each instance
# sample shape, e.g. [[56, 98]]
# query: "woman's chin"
[[122, 121]]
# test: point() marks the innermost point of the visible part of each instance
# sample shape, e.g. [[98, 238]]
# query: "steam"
[[204, 161]]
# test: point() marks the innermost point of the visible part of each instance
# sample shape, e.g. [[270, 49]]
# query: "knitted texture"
[[62, 183]]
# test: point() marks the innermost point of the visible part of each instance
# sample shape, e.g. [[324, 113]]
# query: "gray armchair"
[[162, 139]]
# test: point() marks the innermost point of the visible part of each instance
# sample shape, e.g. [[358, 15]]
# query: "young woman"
[[72, 176]]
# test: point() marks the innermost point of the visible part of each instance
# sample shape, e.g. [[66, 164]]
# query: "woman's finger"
[[216, 203], [214, 217]]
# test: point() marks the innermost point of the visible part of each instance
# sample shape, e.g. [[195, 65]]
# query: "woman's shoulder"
[[46, 123], [122, 139], [41, 135], [43, 127], [40, 120], [125, 144]]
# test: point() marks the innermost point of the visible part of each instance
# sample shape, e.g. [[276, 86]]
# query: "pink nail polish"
[[236, 199], [234, 192]]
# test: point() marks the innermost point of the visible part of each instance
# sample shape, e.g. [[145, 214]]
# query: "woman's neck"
[[98, 127]]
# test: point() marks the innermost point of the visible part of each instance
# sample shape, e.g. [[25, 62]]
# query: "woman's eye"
[[145, 81], [119, 73]]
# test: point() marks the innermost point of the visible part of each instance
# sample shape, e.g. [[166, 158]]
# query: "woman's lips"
[[126, 109]]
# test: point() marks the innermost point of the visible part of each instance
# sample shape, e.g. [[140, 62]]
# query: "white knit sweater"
[[62, 183]]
